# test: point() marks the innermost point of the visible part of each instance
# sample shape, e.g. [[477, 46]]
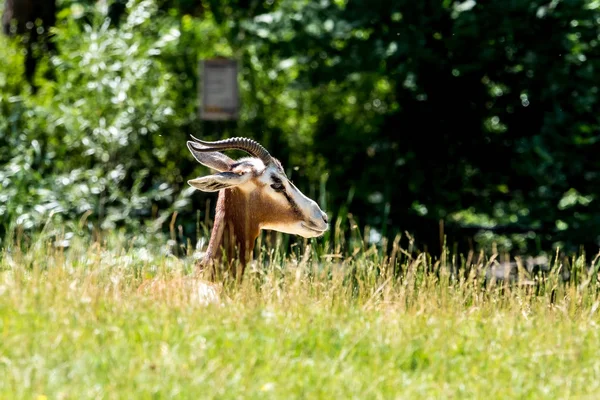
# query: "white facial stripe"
[[309, 210], [251, 163], [305, 204]]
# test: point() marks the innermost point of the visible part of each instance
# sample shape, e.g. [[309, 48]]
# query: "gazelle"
[[254, 194]]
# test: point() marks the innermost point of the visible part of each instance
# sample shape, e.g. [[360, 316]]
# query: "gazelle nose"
[[324, 217]]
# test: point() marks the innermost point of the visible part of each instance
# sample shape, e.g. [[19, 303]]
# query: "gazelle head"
[[272, 199]]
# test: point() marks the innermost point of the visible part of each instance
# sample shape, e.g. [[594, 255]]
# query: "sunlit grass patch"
[[116, 317]]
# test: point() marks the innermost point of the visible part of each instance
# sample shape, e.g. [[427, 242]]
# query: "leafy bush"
[[402, 116], [103, 137], [106, 138]]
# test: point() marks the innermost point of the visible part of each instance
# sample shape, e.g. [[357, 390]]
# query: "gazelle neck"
[[233, 234]]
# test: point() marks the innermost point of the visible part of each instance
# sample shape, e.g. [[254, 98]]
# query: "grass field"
[[116, 318]]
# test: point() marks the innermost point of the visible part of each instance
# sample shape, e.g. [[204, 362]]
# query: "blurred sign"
[[219, 89]]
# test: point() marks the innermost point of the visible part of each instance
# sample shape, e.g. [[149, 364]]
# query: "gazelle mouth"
[[311, 228]]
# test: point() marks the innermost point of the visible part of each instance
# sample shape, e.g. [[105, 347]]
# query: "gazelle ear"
[[212, 159], [222, 180]]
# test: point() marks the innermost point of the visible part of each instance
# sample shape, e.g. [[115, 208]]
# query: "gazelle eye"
[[278, 187]]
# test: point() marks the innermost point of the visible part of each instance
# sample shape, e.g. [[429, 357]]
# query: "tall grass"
[[113, 316]]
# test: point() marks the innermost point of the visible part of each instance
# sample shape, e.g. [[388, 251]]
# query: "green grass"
[[117, 318]]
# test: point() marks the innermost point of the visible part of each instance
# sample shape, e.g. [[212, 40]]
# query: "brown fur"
[[238, 218]]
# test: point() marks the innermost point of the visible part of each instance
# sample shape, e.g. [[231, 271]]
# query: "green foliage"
[[103, 137], [396, 115], [462, 104]]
